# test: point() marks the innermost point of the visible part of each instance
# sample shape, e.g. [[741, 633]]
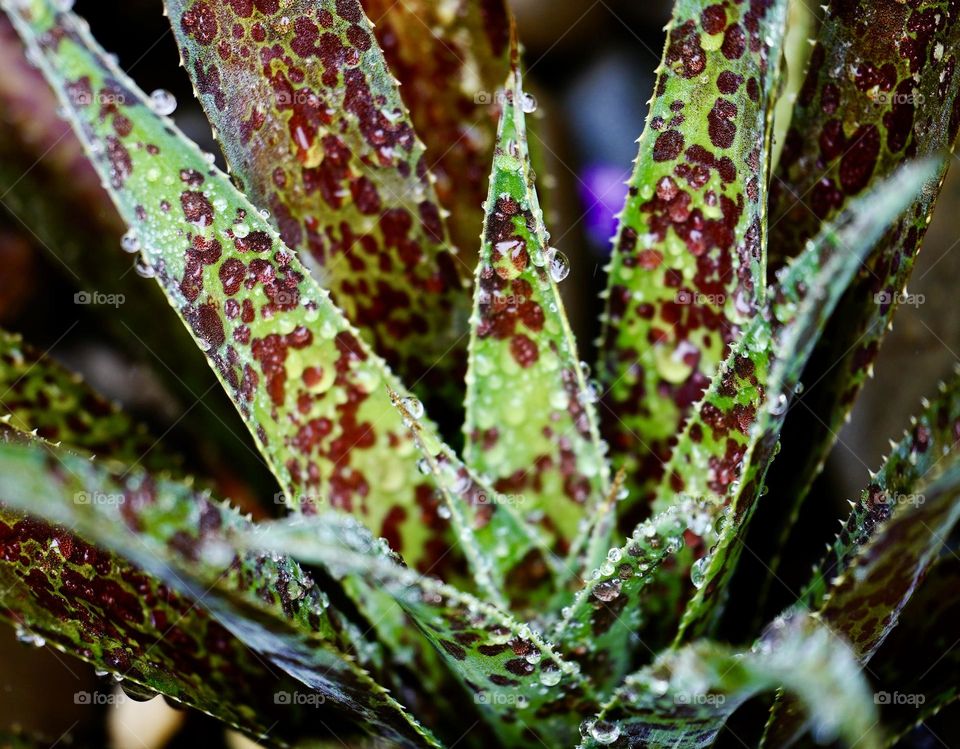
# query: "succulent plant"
[[559, 572]]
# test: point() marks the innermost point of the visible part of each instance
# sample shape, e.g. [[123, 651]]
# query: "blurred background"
[[590, 65]]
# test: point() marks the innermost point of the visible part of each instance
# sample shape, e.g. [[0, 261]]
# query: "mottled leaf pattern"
[[182, 538], [512, 671], [313, 126], [801, 305], [684, 698], [451, 59], [864, 603], [896, 99], [531, 423], [312, 394], [688, 262]]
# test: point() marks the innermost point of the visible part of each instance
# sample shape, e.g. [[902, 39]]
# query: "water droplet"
[[604, 732], [557, 265], [163, 102], [528, 103], [143, 268], [614, 555], [210, 158], [549, 675], [130, 242], [241, 230], [779, 407], [443, 511], [413, 407], [607, 591], [424, 465], [798, 390], [534, 657], [698, 573], [26, 637]]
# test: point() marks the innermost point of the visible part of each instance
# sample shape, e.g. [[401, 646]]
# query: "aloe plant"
[[560, 577]]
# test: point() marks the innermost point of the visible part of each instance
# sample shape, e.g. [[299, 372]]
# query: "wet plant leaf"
[[801, 305], [310, 391], [531, 424], [688, 262], [864, 603], [895, 100], [183, 539], [915, 669], [61, 591], [684, 698], [313, 127], [516, 676], [451, 59], [889, 540]]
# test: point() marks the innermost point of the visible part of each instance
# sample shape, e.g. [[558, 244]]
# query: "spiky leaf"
[[531, 423], [168, 530], [312, 124], [688, 261], [685, 697]]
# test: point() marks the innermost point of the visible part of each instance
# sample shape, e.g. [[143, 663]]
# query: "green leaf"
[[450, 58], [311, 392], [58, 589], [183, 539], [517, 677], [684, 698], [864, 602], [39, 396], [313, 127], [927, 448], [688, 263], [899, 104], [531, 425], [805, 297]]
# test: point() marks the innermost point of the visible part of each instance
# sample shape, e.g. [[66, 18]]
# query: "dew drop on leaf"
[[130, 242], [607, 591], [413, 407], [163, 102], [605, 732], [698, 573], [557, 265], [549, 675], [143, 268]]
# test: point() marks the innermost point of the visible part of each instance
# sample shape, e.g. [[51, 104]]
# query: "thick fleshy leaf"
[[531, 424], [801, 304], [451, 58], [600, 626], [896, 100], [311, 392], [56, 195], [915, 670], [313, 127], [864, 603], [507, 557], [683, 699], [59, 590], [526, 689], [167, 529], [39, 396], [847, 580], [926, 449], [688, 262]]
